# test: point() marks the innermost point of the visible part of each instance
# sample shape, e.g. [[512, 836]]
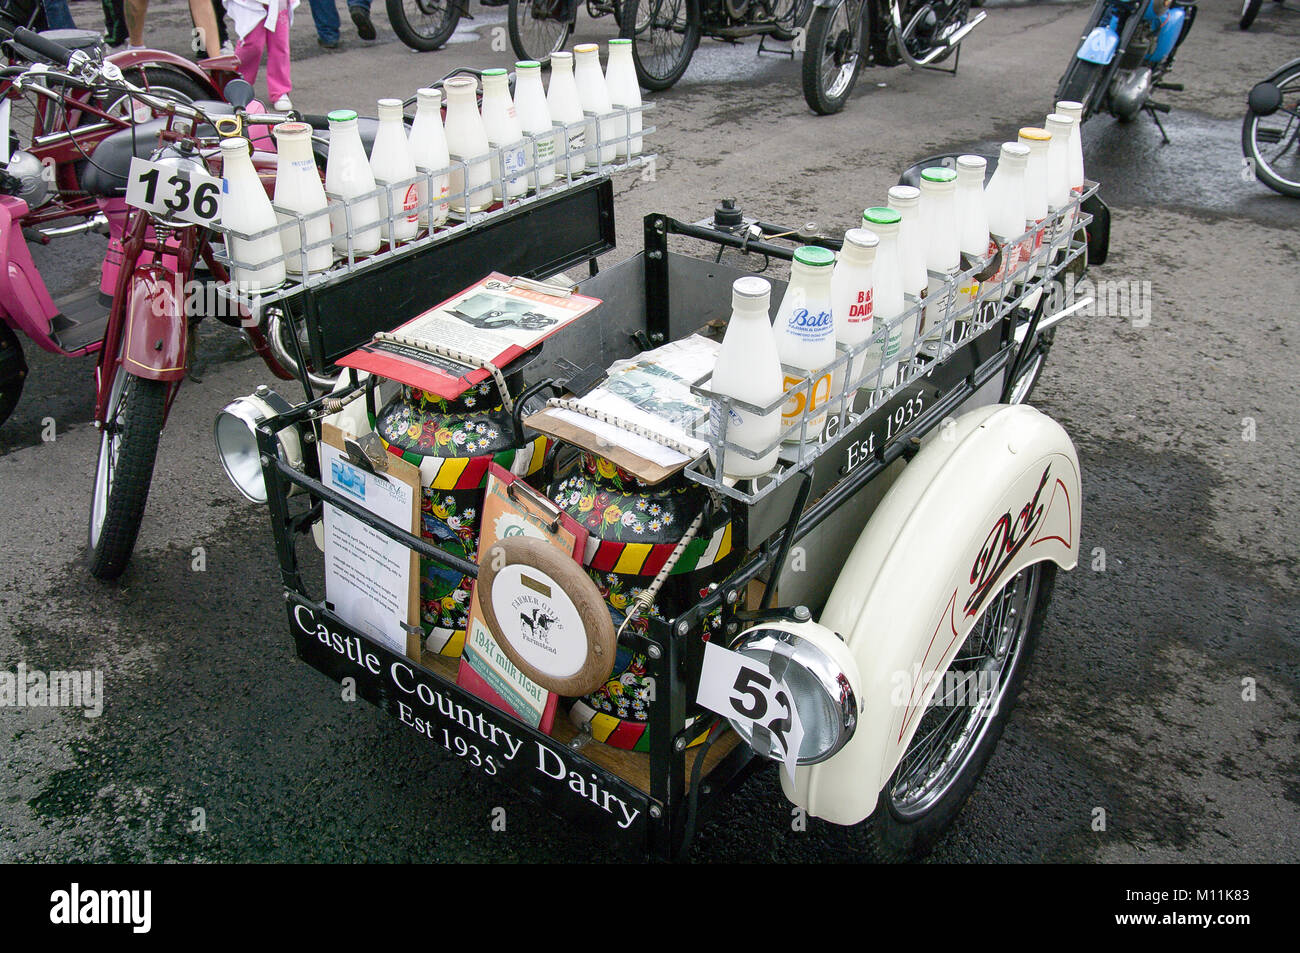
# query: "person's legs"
[[325, 14], [278, 82], [114, 22], [207, 39], [249, 50], [219, 11], [135, 11], [57, 15], [360, 10]]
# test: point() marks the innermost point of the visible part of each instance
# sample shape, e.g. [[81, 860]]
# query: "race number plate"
[[744, 691], [174, 193]]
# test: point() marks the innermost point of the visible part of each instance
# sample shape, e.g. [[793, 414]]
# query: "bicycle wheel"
[[664, 35], [166, 81], [424, 25], [790, 15], [128, 446], [536, 29], [1271, 140], [832, 58], [1249, 10]]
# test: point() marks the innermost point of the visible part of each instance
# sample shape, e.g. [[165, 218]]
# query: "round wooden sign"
[[547, 615]]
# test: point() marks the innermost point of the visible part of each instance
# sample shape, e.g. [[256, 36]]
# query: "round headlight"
[[820, 675], [235, 432]]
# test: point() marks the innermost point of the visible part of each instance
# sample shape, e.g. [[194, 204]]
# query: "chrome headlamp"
[[820, 675], [235, 432]]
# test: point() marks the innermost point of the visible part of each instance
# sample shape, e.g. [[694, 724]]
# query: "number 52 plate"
[[174, 193]]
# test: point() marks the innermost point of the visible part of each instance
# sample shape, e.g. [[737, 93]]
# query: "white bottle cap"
[[751, 286], [903, 196]]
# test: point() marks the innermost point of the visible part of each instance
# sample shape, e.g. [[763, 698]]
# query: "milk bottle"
[[535, 120], [429, 150], [852, 285], [562, 99], [805, 340], [298, 189], [467, 139], [504, 133], [348, 175], [391, 164], [246, 208], [749, 369]]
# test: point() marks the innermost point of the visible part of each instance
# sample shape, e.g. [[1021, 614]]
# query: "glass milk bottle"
[[298, 189], [1004, 197], [391, 164], [906, 200], [246, 208], [535, 120], [562, 100], [852, 287], [467, 139], [1058, 177], [887, 300], [1038, 140], [942, 241], [504, 136], [429, 150], [624, 91], [805, 340], [348, 175], [1075, 111], [594, 96], [972, 219], [749, 369]]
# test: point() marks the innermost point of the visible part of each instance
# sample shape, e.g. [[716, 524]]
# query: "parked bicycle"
[[1270, 133], [846, 35], [539, 28]]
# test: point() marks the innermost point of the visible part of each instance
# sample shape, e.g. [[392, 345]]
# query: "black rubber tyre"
[[791, 14], [13, 371], [896, 831], [1079, 85], [664, 35], [168, 80], [535, 39], [424, 25], [128, 446], [833, 56], [1281, 130], [1249, 10]]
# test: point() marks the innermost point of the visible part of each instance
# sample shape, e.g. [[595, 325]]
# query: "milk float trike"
[[863, 614]]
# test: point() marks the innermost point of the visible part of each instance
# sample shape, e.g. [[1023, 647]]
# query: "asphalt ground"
[[1136, 703]]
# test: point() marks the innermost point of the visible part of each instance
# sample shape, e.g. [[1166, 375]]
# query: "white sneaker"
[[227, 49], [283, 104]]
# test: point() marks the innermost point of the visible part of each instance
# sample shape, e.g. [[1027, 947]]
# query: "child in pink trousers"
[[263, 25]]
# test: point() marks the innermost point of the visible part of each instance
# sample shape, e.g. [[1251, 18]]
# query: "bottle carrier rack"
[[975, 350]]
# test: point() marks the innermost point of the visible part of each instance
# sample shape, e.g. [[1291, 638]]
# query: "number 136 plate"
[[174, 193]]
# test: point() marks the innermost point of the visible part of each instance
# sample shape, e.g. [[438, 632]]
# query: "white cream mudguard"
[[987, 494]]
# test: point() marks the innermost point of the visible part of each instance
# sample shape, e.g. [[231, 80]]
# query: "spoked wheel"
[[664, 35], [1271, 141], [128, 445], [1249, 10], [537, 29], [165, 81], [833, 55], [790, 15], [424, 24], [958, 731]]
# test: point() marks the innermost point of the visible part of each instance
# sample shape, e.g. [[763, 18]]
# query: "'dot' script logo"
[[1004, 540]]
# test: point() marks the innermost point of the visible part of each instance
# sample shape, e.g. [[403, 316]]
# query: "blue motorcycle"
[[1126, 50]]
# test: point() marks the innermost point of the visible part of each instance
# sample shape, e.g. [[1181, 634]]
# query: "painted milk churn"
[[452, 442], [634, 529]]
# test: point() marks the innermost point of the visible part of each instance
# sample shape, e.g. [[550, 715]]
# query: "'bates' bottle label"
[[809, 325]]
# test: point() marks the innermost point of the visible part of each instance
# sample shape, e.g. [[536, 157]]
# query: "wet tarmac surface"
[[1181, 406]]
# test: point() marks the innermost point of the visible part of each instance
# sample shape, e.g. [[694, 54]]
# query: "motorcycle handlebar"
[[56, 53]]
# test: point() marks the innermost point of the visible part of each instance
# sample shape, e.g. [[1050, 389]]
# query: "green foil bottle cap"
[[494, 71], [939, 174], [342, 115], [881, 215], [528, 64], [814, 255]]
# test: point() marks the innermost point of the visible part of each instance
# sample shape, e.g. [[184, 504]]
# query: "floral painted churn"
[[452, 442], [634, 528]]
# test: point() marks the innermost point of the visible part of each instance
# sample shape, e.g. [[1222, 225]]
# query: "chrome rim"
[[425, 17], [951, 728], [1276, 138], [839, 55], [660, 34], [109, 445], [541, 36]]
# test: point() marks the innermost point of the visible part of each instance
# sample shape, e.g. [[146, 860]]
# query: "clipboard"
[[345, 552], [513, 508]]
